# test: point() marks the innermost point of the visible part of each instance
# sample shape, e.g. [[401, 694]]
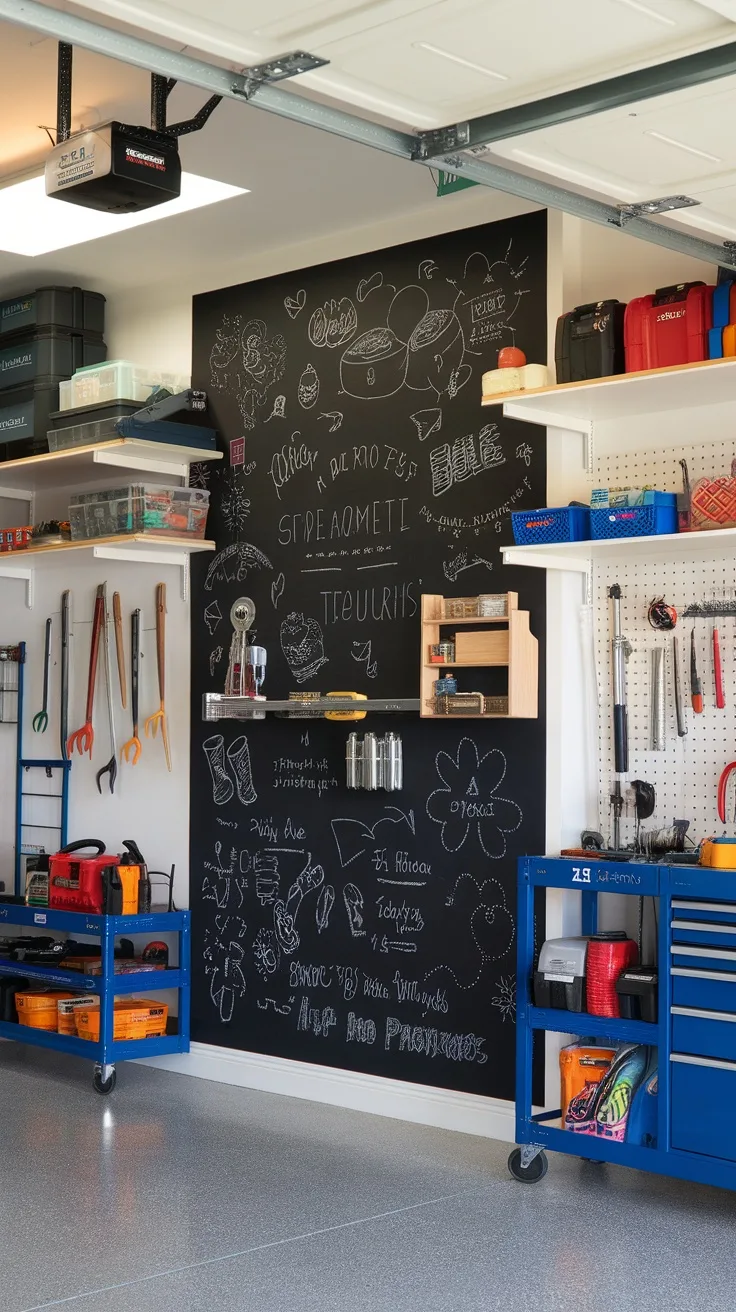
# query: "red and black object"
[[669, 328], [606, 960], [589, 342], [76, 882], [696, 687]]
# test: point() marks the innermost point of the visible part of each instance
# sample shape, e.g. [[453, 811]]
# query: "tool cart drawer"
[[711, 990], [722, 913], [689, 954], [706, 933], [703, 1097], [704, 1033]]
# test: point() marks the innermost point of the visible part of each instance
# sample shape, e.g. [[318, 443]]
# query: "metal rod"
[[656, 700], [619, 648], [64, 92]]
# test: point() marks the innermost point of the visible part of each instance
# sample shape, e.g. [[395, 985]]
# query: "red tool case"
[[75, 882], [668, 328]]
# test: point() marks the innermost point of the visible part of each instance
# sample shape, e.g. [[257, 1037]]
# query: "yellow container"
[[40, 1010]]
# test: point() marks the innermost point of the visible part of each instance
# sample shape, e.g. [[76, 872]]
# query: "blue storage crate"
[[553, 524], [636, 521]]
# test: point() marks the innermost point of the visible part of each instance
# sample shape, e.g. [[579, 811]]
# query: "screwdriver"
[[696, 687]]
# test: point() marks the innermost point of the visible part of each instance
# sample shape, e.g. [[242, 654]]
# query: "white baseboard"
[[421, 1103]]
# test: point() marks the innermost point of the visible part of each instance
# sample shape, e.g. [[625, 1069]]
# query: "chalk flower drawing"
[[469, 802], [505, 997]]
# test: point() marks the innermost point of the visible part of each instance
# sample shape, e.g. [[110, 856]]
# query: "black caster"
[[104, 1086], [530, 1174]]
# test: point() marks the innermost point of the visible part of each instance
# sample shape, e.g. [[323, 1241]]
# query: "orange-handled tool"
[[718, 671], [158, 719], [696, 687]]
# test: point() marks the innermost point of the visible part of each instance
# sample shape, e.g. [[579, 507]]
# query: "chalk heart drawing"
[[295, 304], [478, 914], [468, 803]]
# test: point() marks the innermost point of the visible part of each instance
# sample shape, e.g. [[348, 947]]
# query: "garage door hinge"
[[276, 70], [441, 141]]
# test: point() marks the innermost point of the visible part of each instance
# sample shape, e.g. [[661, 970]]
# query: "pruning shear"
[[41, 718], [723, 783]]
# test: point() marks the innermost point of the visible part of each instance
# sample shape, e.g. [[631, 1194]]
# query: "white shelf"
[[719, 544], [97, 465], [578, 405], [137, 548]]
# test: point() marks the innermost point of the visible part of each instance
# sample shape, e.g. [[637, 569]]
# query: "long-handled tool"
[[66, 624], [133, 744], [679, 710], [84, 738], [620, 650], [696, 687], [718, 671], [117, 615], [111, 768], [159, 717], [41, 718]]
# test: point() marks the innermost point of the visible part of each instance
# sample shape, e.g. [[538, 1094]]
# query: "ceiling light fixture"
[[457, 59], [33, 224], [680, 145]]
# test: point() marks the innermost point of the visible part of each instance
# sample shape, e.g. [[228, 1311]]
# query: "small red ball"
[[511, 357]]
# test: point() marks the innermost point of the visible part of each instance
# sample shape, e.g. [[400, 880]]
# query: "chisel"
[[696, 687], [679, 709]]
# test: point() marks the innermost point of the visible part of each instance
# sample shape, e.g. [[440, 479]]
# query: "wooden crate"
[[482, 642]]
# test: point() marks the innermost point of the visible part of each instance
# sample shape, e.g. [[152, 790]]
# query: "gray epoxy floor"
[[179, 1195]]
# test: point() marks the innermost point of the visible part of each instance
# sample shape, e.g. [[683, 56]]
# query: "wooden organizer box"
[[479, 646]]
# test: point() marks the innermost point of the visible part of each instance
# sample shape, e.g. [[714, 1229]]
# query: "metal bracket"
[[729, 252], [645, 208], [184, 579], [528, 1152], [291, 64], [441, 141]]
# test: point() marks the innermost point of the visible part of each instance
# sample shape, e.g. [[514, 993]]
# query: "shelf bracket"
[[546, 418], [14, 572], [184, 579], [145, 463], [16, 494], [543, 560]]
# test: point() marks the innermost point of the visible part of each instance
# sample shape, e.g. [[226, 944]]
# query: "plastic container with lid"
[[118, 378], [134, 1018], [25, 410], [54, 307], [41, 353], [139, 508]]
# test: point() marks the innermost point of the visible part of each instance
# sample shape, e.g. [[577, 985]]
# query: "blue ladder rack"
[[24, 764]]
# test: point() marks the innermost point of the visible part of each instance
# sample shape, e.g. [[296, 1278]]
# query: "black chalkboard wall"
[[366, 930]]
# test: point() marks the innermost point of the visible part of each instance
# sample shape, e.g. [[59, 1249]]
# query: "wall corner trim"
[[422, 1104]]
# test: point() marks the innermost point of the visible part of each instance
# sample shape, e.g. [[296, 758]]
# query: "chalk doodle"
[[426, 269], [281, 1009], [362, 653], [238, 755], [505, 997], [224, 350], [231, 565], [468, 803], [457, 565], [325, 903], [333, 324], [212, 617], [302, 644], [234, 504], [421, 347], [223, 787], [223, 957], [524, 452], [427, 422], [368, 285], [199, 474], [467, 457], [353, 899], [266, 952], [490, 297], [279, 409], [285, 913], [216, 656], [266, 868], [477, 910], [277, 590], [308, 390], [264, 357], [295, 304], [335, 417], [354, 837]]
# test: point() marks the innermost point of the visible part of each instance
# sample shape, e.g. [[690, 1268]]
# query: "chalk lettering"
[[359, 1030], [348, 977], [408, 920], [388, 603], [408, 990], [309, 977], [318, 1021], [369, 520], [434, 1043]]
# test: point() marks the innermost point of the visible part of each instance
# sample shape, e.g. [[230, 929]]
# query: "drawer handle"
[[727, 908], [722, 976], [698, 1014], [687, 950], [703, 1061], [705, 926]]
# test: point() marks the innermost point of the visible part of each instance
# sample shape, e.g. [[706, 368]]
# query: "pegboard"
[[685, 774]]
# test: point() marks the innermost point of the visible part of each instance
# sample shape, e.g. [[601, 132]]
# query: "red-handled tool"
[[723, 790], [84, 738], [696, 687], [718, 671]]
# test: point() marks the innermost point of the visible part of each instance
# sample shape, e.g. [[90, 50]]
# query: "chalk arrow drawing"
[[353, 837]]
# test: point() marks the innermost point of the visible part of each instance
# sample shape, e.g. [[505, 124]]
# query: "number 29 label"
[[581, 874]]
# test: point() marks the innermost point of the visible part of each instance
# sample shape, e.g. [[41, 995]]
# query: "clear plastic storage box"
[[87, 434], [115, 379], [139, 508]]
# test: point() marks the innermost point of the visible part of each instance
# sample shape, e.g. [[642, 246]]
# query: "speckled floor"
[[178, 1195]]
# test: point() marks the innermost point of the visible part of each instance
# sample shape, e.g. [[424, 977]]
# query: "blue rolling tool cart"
[[107, 1052], [695, 1030]]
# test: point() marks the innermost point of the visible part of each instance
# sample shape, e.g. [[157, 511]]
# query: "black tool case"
[[25, 418], [589, 342], [39, 353], [70, 308]]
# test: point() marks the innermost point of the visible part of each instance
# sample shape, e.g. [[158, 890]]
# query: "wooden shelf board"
[[100, 463], [463, 665], [470, 619], [686, 386], [132, 544]]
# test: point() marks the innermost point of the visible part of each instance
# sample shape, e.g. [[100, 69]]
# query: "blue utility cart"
[[695, 1032], [107, 1052]]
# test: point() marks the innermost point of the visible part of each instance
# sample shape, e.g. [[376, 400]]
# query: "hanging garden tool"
[[111, 768], [679, 709], [696, 687], [66, 624], [84, 738], [41, 719], [133, 744], [718, 671], [117, 615], [159, 717], [620, 651]]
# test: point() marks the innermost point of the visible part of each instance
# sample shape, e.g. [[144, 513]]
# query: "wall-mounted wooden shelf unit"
[[510, 644]]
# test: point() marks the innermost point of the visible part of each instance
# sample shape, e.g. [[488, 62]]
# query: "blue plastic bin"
[[636, 521], [553, 524]]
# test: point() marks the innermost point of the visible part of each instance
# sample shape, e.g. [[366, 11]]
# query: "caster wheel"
[[103, 1086], [536, 1170]]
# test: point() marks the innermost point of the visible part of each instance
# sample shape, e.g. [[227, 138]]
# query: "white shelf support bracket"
[[146, 464], [16, 494], [588, 585], [15, 572], [184, 579], [146, 557], [546, 418], [588, 447]]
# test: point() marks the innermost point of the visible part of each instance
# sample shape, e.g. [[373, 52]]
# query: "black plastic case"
[[25, 418], [72, 308], [41, 353], [589, 342]]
